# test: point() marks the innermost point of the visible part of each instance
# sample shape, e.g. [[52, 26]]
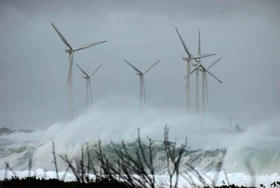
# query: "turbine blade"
[[96, 69], [90, 91], [69, 79], [154, 64], [183, 43], [214, 63], [206, 83], [84, 72], [61, 36], [89, 45], [211, 74], [202, 56], [137, 70], [87, 99], [197, 61], [144, 92], [141, 90], [192, 71], [199, 48]]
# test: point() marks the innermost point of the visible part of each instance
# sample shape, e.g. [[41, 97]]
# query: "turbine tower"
[[197, 76], [189, 59], [70, 51], [87, 77], [141, 79], [204, 70]]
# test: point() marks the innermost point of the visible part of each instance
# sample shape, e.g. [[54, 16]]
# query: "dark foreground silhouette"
[[33, 182]]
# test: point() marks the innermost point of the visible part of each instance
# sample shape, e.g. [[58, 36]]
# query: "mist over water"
[[120, 122]]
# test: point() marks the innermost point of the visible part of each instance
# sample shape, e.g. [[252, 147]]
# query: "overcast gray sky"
[[33, 64]]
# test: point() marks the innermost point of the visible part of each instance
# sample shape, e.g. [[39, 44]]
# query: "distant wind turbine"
[[205, 83], [204, 70], [197, 75], [141, 78], [70, 50], [189, 59], [87, 77], [204, 93]]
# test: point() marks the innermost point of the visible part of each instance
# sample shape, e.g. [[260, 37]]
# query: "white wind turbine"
[[189, 59], [204, 94], [205, 71], [87, 77], [70, 50], [141, 79]]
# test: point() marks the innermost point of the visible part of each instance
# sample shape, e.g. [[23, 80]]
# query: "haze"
[[33, 64]]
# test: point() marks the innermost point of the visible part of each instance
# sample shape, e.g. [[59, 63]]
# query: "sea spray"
[[116, 124]]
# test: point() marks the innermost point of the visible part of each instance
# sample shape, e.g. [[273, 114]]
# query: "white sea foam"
[[115, 124]]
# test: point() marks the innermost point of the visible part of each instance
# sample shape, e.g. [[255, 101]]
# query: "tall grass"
[[136, 165]]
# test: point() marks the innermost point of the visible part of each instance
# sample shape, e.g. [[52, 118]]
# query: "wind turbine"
[[200, 67], [70, 50], [204, 79], [205, 83], [197, 75], [141, 79], [189, 59], [87, 77]]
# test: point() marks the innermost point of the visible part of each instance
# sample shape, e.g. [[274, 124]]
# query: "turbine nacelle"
[[141, 78], [189, 56], [68, 50], [138, 72], [186, 58], [194, 64], [200, 67]]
